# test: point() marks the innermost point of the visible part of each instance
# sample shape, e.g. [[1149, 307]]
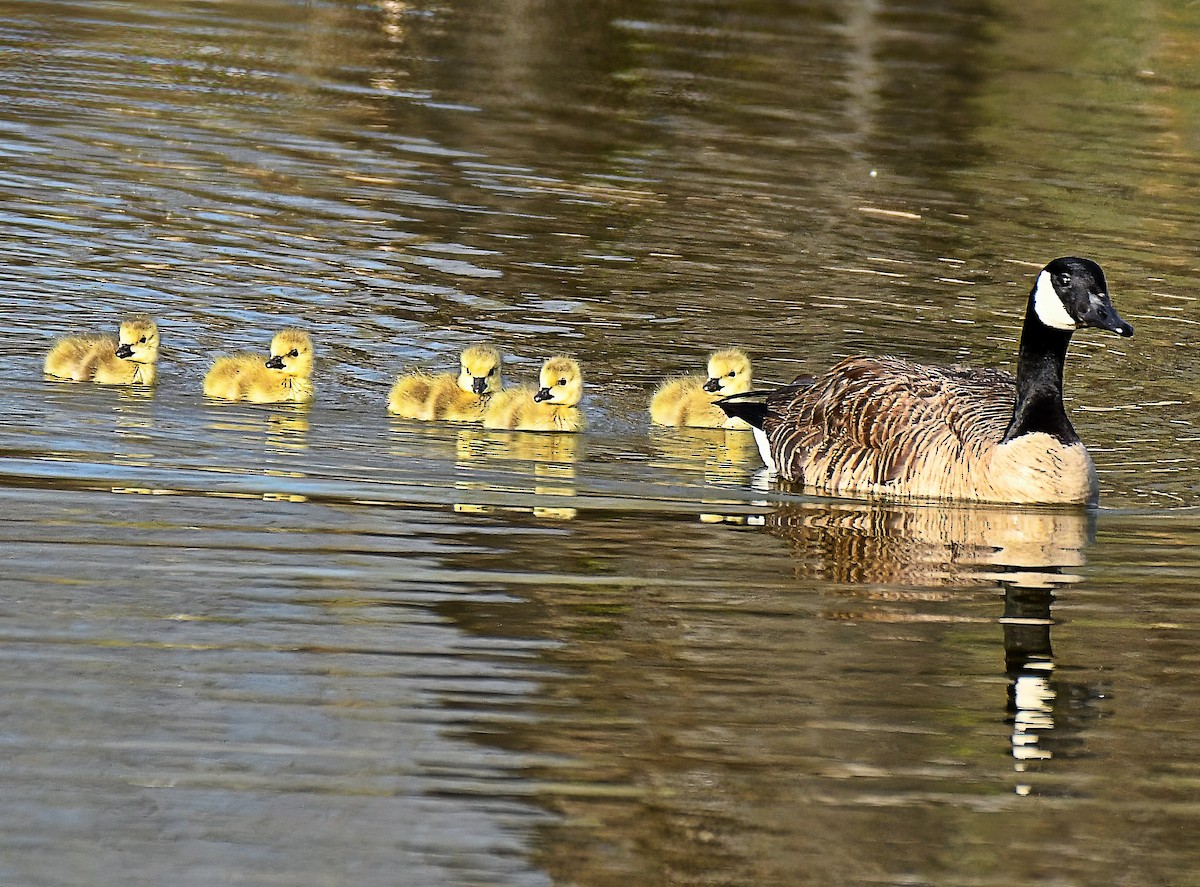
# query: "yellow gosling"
[[128, 360], [552, 407], [447, 397], [691, 400], [284, 377]]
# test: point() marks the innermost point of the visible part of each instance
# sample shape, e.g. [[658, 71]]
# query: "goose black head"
[[1071, 293]]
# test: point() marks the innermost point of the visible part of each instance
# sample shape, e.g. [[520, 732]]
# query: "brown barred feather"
[[880, 426]]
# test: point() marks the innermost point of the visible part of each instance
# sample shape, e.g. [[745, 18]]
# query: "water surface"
[[264, 645]]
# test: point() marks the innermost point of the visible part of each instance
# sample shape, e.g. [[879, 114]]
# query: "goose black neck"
[[1039, 405]]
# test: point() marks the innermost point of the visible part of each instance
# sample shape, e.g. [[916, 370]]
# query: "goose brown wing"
[[874, 420]]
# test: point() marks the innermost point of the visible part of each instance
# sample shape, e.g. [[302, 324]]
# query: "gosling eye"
[[492, 371], [731, 373], [562, 381], [142, 340], [295, 352]]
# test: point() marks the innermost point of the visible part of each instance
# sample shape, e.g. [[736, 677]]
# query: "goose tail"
[[750, 407]]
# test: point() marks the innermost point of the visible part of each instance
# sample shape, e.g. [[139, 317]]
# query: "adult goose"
[[882, 427]]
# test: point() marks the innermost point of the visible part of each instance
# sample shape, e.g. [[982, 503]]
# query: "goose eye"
[[1064, 279]]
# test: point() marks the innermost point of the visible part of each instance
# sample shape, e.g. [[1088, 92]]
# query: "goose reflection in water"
[[283, 426], [551, 462], [886, 555], [133, 434]]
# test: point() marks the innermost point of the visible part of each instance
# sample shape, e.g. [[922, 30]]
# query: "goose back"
[[879, 426], [684, 402]]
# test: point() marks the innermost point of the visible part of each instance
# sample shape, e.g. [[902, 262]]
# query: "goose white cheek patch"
[[1049, 306]]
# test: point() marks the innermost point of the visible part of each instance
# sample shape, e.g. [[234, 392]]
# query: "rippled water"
[[285, 645]]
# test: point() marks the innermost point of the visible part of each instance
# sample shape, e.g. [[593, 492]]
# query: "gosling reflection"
[[722, 456], [133, 432], [412, 440], [287, 431], [918, 554], [282, 431], [134, 417], [551, 460]]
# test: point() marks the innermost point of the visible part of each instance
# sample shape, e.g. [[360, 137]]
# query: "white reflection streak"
[[1034, 699]]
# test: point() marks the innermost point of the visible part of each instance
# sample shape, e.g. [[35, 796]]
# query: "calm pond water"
[[253, 645]]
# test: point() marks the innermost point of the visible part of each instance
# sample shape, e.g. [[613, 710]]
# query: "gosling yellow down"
[[691, 400], [129, 360], [282, 378], [447, 397], [552, 407]]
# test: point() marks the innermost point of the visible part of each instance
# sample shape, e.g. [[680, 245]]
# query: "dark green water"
[[276, 646]]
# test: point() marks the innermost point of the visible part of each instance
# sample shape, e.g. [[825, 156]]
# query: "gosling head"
[[138, 340], [292, 353], [728, 373], [561, 381], [479, 370], [1071, 293]]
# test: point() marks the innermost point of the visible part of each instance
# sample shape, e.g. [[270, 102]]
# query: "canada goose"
[[128, 360], [690, 400], [890, 428], [453, 398], [552, 407], [284, 376]]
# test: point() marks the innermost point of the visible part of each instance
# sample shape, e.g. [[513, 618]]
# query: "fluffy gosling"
[[552, 407], [128, 360], [284, 377], [690, 400], [447, 397]]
